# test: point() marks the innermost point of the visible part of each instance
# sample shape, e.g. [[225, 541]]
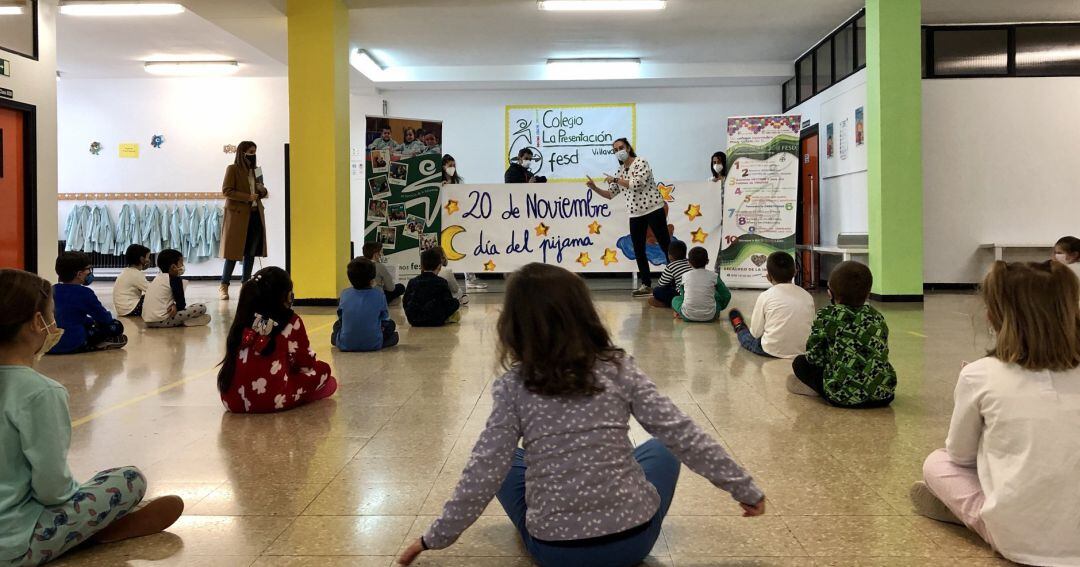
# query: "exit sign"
[[5, 67]]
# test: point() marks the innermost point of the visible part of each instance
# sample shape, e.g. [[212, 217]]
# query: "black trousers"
[[814, 377], [639, 226], [253, 245]]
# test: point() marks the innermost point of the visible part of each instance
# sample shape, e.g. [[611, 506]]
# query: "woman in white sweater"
[[1010, 469]]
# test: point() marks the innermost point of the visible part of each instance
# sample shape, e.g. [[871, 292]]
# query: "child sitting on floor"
[[578, 492], [782, 316], [44, 512], [428, 301], [1009, 467], [269, 365], [383, 278], [702, 295], [446, 273], [1067, 251], [129, 291], [847, 355], [673, 272], [166, 305], [364, 322], [87, 325]]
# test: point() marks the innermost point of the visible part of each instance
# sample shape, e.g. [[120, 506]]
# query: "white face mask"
[[1063, 258], [51, 337], [622, 155], [717, 168], [451, 171]]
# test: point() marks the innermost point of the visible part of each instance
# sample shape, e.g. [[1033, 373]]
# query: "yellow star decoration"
[[692, 212], [610, 256], [452, 207], [666, 191], [542, 229], [584, 259], [594, 228], [699, 236], [489, 266]]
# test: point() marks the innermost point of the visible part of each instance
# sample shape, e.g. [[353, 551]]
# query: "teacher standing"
[[643, 202], [243, 234]]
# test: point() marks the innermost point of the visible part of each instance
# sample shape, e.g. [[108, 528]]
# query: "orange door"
[[810, 207], [12, 191]]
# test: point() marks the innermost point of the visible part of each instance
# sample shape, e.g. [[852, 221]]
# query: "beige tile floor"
[[350, 480]]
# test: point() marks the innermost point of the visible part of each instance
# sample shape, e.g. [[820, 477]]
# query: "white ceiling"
[[117, 47], [504, 43]]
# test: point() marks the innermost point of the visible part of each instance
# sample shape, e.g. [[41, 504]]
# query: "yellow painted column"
[[318, 147]]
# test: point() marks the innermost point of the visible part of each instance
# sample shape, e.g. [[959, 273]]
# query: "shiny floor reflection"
[[350, 480]]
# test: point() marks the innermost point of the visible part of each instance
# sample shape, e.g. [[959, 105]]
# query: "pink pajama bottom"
[[958, 488]]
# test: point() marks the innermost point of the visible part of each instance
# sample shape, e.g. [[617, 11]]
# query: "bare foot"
[[155, 517]]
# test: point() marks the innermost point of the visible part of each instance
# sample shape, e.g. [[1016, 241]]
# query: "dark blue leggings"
[[661, 469]]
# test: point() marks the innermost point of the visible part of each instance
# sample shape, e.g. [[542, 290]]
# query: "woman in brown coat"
[[243, 234]]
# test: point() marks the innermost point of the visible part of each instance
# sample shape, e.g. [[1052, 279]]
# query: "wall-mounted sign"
[[129, 150], [7, 93], [5, 67]]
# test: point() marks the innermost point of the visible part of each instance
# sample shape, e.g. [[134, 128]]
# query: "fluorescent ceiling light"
[[600, 5], [121, 8], [192, 68], [592, 69], [11, 10], [362, 61]]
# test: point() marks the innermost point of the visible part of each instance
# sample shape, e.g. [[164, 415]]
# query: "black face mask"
[[250, 161]]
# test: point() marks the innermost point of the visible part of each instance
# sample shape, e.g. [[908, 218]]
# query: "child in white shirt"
[[131, 285], [447, 273], [782, 316], [1067, 251], [701, 293], [1010, 463], [165, 304]]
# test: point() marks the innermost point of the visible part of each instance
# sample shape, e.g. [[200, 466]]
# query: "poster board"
[[402, 182], [568, 141], [844, 117], [759, 196], [500, 228]]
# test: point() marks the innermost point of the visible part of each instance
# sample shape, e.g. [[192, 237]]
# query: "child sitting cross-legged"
[[269, 365], [384, 280], [428, 301], [783, 314], [673, 272], [165, 304], [364, 322], [129, 291], [702, 295], [44, 511], [87, 325], [1009, 470], [577, 490], [847, 354]]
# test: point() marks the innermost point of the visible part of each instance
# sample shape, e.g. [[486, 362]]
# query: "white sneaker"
[[475, 285], [642, 291]]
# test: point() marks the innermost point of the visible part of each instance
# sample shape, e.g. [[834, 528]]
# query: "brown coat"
[[238, 210]]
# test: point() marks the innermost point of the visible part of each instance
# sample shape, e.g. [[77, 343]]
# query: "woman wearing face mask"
[[243, 234], [44, 511], [718, 167], [450, 175], [644, 203], [449, 171]]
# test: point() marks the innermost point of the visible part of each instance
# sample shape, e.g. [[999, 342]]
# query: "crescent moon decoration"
[[447, 242]]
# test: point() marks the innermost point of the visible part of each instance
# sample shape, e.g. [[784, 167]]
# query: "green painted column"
[[894, 144]]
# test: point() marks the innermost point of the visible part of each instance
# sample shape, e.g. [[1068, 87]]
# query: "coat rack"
[[139, 196]]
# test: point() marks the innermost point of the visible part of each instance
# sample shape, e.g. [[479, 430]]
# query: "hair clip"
[[263, 326]]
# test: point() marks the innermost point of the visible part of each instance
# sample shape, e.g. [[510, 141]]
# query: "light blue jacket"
[[75, 231]]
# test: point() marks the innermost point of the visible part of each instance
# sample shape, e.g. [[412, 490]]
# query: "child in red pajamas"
[[269, 365]]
